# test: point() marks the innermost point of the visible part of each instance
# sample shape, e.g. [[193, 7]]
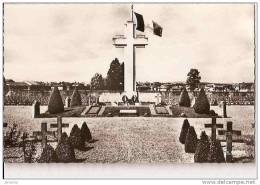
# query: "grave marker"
[[213, 127], [35, 109], [158, 98], [67, 102], [59, 125], [44, 134], [229, 133], [5, 124]]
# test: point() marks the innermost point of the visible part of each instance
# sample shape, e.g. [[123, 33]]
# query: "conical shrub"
[[216, 154], [75, 98], [48, 155], [184, 98], [191, 141], [184, 131], [201, 105], [55, 102], [65, 151], [75, 137], [202, 149], [85, 132]]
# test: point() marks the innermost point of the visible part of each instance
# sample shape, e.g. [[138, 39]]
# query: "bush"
[[202, 149], [85, 132], [76, 138], [213, 113], [65, 151], [201, 105], [184, 130], [184, 98], [13, 134], [191, 141], [55, 103], [75, 98], [216, 154], [48, 155]]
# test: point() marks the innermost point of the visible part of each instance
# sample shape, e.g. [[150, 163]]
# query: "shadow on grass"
[[84, 149], [78, 160], [13, 157], [93, 141], [243, 159]]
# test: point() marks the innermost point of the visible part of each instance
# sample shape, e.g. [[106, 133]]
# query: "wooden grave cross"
[[43, 134], [229, 133], [59, 125], [213, 127]]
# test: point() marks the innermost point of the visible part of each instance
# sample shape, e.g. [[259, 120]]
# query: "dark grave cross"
[[213, 127], [229, 133], [59, 126], [43, 134]]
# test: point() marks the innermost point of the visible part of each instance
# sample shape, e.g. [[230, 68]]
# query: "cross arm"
[[55, 125], [234, 132], [119, 41], [141, 41], [211, 125]]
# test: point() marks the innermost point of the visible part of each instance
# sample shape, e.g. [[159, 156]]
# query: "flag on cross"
[[157, 29]]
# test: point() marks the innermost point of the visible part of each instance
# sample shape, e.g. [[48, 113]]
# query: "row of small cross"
[[42, 135], [229, 133]]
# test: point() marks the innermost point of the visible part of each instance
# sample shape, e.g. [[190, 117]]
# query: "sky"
[[71, 42]]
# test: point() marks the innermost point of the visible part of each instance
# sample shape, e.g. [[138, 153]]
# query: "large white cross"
[[129, 42]]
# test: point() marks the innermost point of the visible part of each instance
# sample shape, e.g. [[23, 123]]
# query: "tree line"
[[114, 79]]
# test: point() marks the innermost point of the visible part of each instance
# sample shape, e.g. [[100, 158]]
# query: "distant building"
[[246, 87], [12, 85]]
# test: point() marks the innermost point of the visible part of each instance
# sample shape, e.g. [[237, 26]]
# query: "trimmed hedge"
[[191, 141], [202, 105], [75, 138], [184, 131], [65, 151], [85, 132], [75, 98], [184, 98], [55, 104], [202, 149], [48, 155]]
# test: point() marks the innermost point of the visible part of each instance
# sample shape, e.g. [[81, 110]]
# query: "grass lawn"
[[133, 139]]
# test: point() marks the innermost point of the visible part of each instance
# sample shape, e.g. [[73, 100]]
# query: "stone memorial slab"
[[94, 110]]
